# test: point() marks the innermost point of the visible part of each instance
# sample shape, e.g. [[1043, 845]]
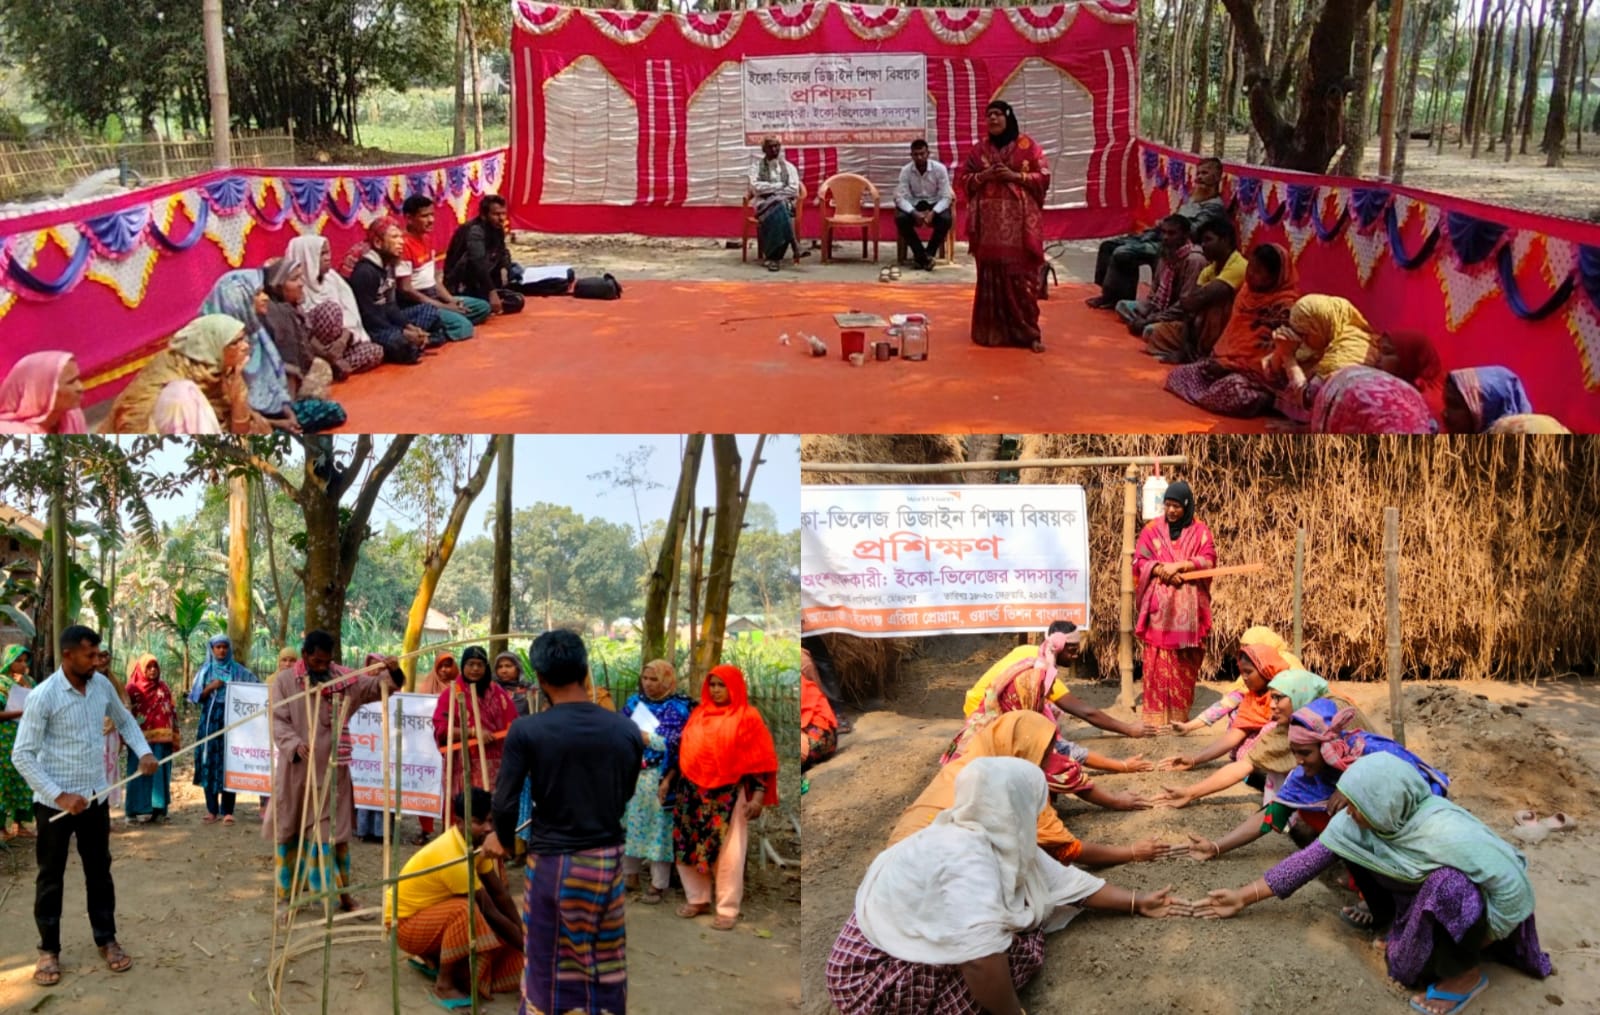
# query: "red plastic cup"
[[852, 342]]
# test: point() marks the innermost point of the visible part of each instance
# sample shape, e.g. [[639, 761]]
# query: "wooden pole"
[[903, 469], [1299, 588], [1130, 508], [217, 83], [1391, 580], [392, 807], [472, 863]]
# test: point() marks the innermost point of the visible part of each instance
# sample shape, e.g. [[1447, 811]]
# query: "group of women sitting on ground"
[[1312, 358], [951, 917], [269, 343]]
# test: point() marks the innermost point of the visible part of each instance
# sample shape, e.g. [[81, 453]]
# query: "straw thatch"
[[868, 666], [1500, 544]]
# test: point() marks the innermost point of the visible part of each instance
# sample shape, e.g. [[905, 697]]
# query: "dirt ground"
[[1505, 746], [193, 910]]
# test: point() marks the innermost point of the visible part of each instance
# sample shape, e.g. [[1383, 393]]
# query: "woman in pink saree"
[[41, 395], [1023, 688], [1174, 613], [1006, 177]]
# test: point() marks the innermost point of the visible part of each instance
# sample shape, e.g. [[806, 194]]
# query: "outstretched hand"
[[1130, 802], [1138, 763], [1147, 729], [1201, 848], [1220, 904], [1148, 850], [1160, 905], [1172, 796], [1175, 763]]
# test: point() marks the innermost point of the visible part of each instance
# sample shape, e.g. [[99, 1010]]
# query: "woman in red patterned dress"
[[1006, 177]]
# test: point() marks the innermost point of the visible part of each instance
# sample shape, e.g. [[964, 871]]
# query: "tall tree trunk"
[[697, 566], [439, 553], [241, 599], [1486, 121], [1479, 65], [1203, 79], [1180, 73], [661, 595], [477, 87], [1448, 76], [458, 142], [1555, 123], [1355, 123], [727, 522], [1227, 96], [60, 560], [1589, 69], [1508, 115], [500, 593], [1530, 83]]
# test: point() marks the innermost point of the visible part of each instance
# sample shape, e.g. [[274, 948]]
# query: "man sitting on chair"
[[774, 189], [923, 198]]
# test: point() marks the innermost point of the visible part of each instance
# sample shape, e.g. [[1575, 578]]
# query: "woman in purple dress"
[[1445, 891]]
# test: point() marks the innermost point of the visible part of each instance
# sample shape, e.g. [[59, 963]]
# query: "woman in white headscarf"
[[951, 921], [322, 287], [193, 385]]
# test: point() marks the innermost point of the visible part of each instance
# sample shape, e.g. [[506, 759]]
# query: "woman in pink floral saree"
[[1174, 614]]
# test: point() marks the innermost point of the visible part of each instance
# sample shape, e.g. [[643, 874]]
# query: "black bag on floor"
[[602, 287]]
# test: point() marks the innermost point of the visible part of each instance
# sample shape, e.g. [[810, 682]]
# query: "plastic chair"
[[947, 252], [747, 232], [850, 192]]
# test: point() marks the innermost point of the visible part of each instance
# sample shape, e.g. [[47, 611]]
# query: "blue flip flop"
[[1458, 1002], [452, 1003], [422, 967]]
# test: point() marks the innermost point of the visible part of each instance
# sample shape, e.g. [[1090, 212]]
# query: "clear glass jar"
[[914, 338]]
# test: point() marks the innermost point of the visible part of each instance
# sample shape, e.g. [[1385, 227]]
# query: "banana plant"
[[188, 616]]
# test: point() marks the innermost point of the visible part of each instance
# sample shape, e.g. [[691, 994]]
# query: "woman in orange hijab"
[[150, 701], [819, 727], [727, 772], [1248, 709]]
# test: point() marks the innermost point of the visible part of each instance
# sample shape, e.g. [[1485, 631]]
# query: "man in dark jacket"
[[477, 262]]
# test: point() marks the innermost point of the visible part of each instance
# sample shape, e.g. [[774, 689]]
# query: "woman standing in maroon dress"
[[1006, 177]]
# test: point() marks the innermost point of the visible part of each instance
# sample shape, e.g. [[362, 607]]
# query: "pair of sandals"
[[211, 819], [1530, 828], [889, 274], [47, 971], [690, 910]]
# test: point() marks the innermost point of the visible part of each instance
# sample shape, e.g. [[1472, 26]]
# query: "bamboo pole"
[[1130, 504], [1391, 578], [1299, 588], [900, 468], [390, 806], [472, 866]]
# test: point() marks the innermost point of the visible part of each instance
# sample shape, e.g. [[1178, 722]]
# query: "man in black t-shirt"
[[583, 762]]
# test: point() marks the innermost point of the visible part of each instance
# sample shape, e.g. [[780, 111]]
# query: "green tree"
[[568, 568]]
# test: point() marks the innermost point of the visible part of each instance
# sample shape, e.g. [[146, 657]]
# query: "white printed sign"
[[248, 752], [892, 561], [836, 98], [418, 766]]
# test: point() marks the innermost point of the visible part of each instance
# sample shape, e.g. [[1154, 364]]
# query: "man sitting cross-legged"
[[923, 198], [1205, 310], [432, 911]]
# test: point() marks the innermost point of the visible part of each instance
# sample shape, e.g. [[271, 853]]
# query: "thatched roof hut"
[[1500, 541]]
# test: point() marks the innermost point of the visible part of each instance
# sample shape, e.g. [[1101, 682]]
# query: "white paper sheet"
[[15, 699], [645, 719]]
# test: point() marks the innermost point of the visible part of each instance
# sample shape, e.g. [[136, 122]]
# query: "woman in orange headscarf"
[[727, 772], [819, 727], [1248, 709], [150, 701], [1233, 380]]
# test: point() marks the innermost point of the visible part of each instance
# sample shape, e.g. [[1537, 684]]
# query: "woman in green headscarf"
[[1289, 690], [1444, 888], [16, 797], [210, 353]]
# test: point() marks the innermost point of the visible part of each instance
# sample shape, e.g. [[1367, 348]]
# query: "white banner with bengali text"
[[247, 751], [418, 765], [821, 99], [896, 561]]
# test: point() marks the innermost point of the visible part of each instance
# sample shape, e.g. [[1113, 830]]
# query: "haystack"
[[1499, 560], [867, 666]]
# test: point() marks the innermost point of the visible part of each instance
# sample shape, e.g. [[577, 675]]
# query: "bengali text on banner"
[[836, 99], [893, 561]]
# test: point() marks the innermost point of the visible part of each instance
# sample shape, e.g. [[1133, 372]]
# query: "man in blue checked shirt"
[[59, 750]]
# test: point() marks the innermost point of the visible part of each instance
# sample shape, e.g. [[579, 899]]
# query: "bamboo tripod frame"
[[292, 940]]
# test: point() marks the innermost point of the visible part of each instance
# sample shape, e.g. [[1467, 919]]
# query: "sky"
[[557, 469]]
